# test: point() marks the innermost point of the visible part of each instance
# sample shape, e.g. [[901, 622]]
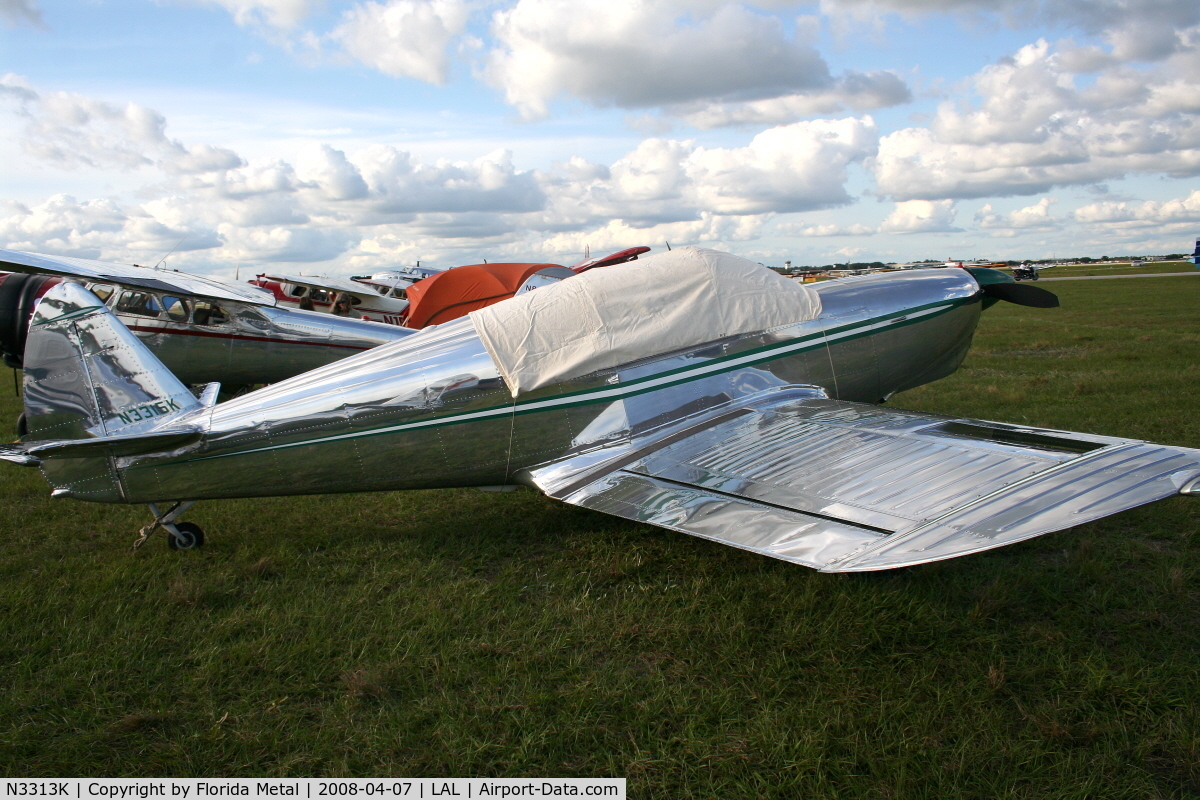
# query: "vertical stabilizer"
[[87, 375]]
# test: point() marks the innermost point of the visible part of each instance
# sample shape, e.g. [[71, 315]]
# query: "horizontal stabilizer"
[[847, 487], [121, 445], [16, 454]]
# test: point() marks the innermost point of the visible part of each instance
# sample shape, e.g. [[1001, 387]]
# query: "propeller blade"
[[1022, 294]]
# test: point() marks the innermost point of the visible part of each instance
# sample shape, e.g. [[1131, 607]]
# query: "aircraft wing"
[[328, 284], [846, 487], [391, 278], [619, 257], [143, 277]]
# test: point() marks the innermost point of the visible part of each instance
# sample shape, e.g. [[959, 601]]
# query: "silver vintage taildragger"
[[693, 390], [203, 330]]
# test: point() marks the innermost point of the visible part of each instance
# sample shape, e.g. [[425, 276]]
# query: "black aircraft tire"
[[191, 537], [22, 425]]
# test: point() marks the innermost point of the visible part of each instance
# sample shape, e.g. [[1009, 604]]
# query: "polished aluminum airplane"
[[708, 396], [362, 295], [203, 330], [388, 299]]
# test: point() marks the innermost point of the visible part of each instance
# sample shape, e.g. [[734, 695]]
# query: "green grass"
[[461, 633], [1149, 268]]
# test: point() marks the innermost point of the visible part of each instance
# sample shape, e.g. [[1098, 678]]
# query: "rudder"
[[87, 376]]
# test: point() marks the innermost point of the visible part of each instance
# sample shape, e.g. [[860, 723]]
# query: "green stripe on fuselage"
[[637, 386]]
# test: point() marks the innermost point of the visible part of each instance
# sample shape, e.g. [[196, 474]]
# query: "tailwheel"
[[186, 536], [180, 535]]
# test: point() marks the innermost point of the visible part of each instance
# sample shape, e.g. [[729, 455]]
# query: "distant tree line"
[[796, 269]]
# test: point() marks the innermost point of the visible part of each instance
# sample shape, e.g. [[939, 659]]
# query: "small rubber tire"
[[191, 537], [22, 425]]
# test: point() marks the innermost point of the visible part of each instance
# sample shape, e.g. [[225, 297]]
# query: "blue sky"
[[339, 136]]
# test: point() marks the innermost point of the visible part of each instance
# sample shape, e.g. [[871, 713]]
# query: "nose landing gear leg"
[[180, 535]]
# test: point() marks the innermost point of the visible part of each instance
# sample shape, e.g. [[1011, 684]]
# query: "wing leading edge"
[[847, 487], [142, 277]]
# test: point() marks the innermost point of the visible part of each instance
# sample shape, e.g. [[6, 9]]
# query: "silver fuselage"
[[432, 411], [256, 344]]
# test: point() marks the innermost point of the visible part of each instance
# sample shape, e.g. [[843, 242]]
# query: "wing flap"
[[780, 533], [852, 487]]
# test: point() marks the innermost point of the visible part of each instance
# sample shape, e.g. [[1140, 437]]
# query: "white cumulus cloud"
[[1137, 29], [276, 14], [99, 228], [1036, 216], [680, 54], [1033, 128], [400, 184], [72, 130], [403, 38], [860, 91], [828, 229], [789, 168], [1148, 213], [921, 216]]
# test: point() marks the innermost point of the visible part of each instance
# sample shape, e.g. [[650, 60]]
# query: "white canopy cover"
[[614, 315]]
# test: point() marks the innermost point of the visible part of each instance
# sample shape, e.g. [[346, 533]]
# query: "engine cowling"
[[19, 293]]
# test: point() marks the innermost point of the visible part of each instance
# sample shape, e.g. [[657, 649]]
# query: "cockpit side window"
[[177, 310], [297, 291], [399, 293], [206, 313], [139, 304], [101, 290]]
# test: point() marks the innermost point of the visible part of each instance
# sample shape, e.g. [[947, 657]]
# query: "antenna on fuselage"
[[172, 250]]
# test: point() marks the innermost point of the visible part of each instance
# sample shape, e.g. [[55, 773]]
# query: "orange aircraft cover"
[[459, 291]]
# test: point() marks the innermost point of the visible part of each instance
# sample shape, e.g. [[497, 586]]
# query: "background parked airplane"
[[203, 330]]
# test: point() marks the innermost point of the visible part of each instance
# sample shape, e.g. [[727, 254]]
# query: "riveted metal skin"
[[258, 344], [432, 411], [765, 441], [246, 340]]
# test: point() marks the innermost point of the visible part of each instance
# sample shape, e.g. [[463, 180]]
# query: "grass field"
[[460, 633], [1149, 268]]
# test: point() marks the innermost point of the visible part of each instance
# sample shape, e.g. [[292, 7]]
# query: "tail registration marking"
[[149, 411]]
